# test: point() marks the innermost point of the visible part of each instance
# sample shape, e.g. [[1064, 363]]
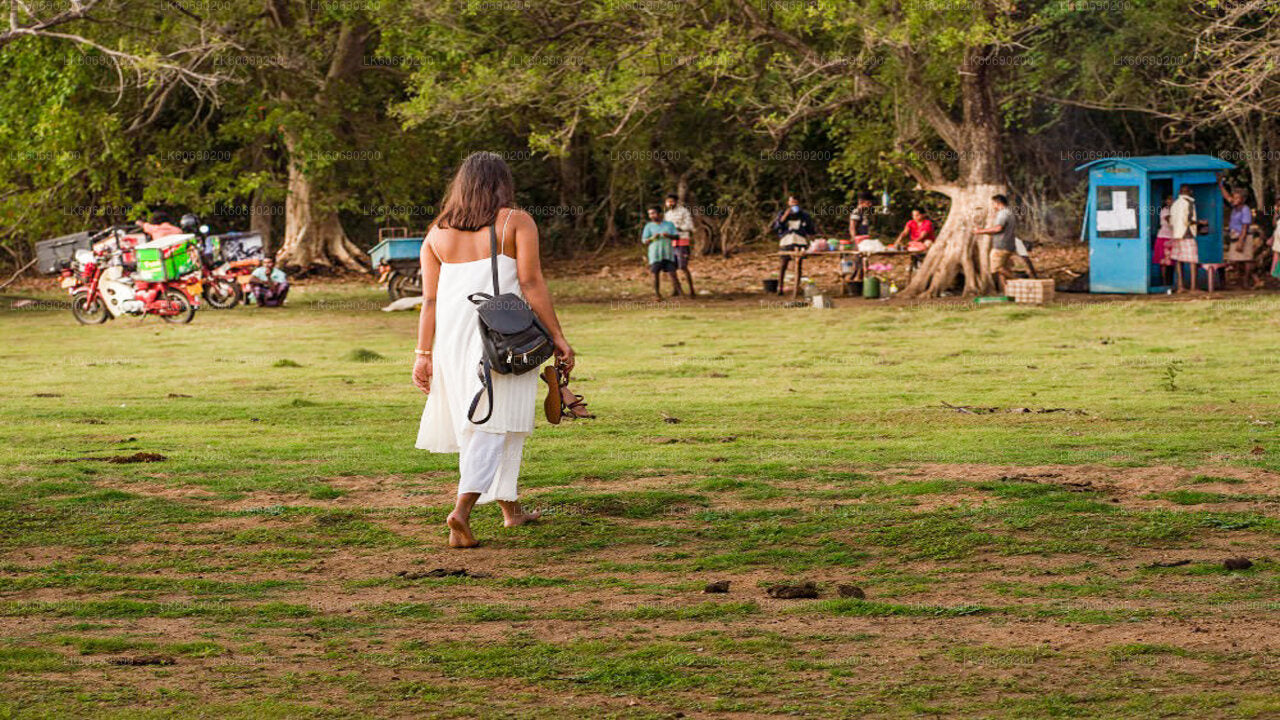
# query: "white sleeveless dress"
[[456, 356]]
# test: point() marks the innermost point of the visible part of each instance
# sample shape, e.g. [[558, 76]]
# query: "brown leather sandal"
[[553, 406], [571, 405]]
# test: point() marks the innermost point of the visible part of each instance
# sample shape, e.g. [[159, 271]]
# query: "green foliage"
[[600, 106]]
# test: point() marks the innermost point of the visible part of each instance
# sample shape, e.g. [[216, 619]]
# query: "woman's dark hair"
[[477, 191], [1001, 199], [159, 217]]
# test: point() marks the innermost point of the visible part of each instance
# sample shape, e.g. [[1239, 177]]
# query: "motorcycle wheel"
[[401, 285], [392, 280], [223, 294], [186, 310], [86, 314]]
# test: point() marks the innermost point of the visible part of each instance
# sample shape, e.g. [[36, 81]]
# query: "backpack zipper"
[[524, 357]]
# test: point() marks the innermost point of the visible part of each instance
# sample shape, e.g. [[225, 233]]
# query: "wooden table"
[[800, 256]]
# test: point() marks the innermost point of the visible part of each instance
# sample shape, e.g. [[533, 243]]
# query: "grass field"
[[286, 558]]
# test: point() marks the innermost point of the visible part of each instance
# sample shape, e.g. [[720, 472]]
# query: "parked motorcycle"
[[222, 290], [101, 290]]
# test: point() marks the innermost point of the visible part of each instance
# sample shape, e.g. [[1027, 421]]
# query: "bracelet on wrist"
[[421, 353]]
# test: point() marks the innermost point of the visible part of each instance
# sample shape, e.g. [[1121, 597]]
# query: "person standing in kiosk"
[[1182, 216], [1240, 244]]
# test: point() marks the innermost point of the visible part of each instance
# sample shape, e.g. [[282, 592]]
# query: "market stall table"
[[800, 256]]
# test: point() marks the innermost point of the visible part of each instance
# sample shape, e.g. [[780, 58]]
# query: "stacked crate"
[[168, 258], [1030, 291]]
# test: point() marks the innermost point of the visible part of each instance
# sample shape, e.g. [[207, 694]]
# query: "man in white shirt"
[[1182, 216], [680, 216]]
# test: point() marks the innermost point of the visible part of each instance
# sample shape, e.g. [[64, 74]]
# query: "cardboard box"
[[1030, 291]]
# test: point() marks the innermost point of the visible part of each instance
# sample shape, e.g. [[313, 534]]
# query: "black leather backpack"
[[515, 341]]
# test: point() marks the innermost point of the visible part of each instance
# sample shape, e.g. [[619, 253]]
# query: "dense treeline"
[[321, 121]]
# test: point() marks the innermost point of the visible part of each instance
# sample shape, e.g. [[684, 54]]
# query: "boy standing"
[[1003, 245], [860, 218], [679, 216], [657, 236]]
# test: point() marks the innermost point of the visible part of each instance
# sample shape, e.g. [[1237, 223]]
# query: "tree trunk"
[[957, 250], [976, 142], [1249, 132], [260, 217], [313, 234]]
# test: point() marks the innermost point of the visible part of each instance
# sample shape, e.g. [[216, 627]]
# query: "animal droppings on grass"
[[804, 590], [440, 573], [285, 362], [91, 421], [851, 591], [670, 419], [178, 395], [1237, 563], [365, 355], [141, 660], [138, 457], [719, 586], [46, 395]]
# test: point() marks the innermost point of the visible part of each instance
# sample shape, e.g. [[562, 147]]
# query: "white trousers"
[[489, 464]]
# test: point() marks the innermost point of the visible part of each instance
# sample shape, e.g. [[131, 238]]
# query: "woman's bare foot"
[[460, 532], [514, 516], [523, 518]]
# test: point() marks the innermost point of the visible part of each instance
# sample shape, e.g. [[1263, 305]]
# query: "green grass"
[[281, 553]]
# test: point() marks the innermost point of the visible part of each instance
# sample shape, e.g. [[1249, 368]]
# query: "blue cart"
[[395, 259], [1123, 215]]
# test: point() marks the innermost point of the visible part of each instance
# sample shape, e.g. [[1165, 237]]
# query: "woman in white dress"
[[456, 263]]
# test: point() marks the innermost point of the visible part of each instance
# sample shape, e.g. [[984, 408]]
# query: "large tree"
[[939, 70]]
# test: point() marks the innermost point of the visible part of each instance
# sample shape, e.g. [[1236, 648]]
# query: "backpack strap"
[[502, 247], [486, 379], [493, 258]]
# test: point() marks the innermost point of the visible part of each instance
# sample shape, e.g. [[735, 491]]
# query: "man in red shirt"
[[920, 231], [160, 226]]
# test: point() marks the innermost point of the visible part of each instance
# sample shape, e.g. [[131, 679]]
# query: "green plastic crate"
[[168, 258]]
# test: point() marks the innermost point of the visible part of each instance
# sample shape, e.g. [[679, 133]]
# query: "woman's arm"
[[422, 364], [534, 285]]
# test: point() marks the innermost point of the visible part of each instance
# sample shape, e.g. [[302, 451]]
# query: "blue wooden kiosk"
[[1123, 215]]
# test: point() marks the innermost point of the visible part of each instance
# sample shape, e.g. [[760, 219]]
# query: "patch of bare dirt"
[[1126, 482]]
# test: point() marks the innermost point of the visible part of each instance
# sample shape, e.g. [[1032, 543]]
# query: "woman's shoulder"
[[518, 216]]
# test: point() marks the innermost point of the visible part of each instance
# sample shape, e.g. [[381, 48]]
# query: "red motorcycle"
[[100, 290], [223, 274]]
